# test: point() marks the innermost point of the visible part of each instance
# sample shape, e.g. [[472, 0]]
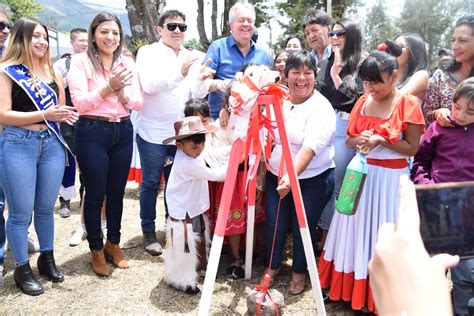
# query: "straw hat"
[[188, 126]]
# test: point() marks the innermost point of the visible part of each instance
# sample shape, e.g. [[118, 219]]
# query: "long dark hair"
[[352, 51], [92, 51], [418, 59], [469, 21]]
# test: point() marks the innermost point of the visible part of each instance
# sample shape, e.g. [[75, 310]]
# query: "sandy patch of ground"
[[140, 289]]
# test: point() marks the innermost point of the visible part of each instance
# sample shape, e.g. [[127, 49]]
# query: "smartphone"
[[447, 217]]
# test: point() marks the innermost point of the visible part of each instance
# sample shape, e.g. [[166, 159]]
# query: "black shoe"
[[192, 290], [47, 267], [26, 281]]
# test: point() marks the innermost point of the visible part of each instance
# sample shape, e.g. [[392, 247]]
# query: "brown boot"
[[98, 263], [113, 252]]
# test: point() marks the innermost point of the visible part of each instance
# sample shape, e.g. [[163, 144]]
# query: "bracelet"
[[110, 87], [42, 114]]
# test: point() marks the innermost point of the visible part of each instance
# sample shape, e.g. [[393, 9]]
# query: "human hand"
[[222, 85], [121, 96], [206, 72], [61, 114], [403, 277], [224, 117], [363, 137], [120, 79], [442, 117], [283, 187], [372, 142], [337, 65], [188, 62]]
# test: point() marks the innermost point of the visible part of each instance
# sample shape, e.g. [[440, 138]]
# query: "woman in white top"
[[310, 122]]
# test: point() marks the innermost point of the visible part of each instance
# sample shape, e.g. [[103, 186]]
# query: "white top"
[[60, 67], [165, 90], [310, 124], [187, 191]]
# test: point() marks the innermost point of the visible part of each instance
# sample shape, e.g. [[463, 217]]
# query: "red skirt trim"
[[343, 286], [135, 174]]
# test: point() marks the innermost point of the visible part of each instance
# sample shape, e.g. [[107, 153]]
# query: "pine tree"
[[378, 27]]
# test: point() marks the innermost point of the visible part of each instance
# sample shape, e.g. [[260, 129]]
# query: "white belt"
[[342, 114]]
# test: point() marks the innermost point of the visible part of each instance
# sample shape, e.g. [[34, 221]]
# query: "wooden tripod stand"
[[219, 233]]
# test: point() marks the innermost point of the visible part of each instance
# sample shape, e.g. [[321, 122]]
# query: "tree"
[[22, 8], [143, 16], [431, 19], [378, 27], [194, 43]]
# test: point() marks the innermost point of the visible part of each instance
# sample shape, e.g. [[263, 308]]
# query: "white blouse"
[[311, 124]]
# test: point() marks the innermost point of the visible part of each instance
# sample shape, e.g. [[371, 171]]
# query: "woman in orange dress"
[[387, 126]]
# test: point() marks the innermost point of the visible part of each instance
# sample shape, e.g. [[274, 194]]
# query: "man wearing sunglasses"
[[5, 28], [170, 75], [229, 54], [316, 26]]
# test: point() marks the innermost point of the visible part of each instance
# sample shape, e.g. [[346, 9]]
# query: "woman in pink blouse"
[[104, 88]]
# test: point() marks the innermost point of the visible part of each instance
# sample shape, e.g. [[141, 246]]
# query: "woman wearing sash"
[[32, 159], [104, 88]]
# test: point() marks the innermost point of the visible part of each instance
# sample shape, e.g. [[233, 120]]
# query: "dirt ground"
[[139, 289]]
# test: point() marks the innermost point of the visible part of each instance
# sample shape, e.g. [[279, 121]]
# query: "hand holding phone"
[[404, 279]]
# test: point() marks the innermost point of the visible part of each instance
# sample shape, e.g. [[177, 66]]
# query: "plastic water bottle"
[[352, 185]]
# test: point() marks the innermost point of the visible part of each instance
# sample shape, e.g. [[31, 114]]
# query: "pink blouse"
[[84, 85]]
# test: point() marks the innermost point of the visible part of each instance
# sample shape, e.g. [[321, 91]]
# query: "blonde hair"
[[19, 49]]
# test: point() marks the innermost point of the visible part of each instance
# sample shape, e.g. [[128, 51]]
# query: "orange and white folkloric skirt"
[[343, 266]]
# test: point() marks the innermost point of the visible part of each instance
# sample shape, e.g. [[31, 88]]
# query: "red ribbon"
[[259, 121], [263, 288]]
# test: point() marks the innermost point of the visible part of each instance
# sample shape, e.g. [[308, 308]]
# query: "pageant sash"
[[44, 97]]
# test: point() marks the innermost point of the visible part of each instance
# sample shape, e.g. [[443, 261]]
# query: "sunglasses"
[[172, 26], [4, 25], [338, 33]]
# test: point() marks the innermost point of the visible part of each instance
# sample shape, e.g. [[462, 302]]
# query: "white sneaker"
[[78, 236], [64, 211], [33, 245]]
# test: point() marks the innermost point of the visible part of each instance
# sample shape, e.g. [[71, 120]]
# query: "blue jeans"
[[152, 160], [463, 279], [104, 153], [3, 253], [32, 168], [343, 156], [316, 192]]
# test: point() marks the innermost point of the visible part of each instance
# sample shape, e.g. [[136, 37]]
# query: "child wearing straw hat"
[[187, 197]]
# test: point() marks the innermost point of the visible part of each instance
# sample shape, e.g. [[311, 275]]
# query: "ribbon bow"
[[263, 288]]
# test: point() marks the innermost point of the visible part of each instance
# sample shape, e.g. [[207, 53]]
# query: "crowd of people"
[[170, 110]]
